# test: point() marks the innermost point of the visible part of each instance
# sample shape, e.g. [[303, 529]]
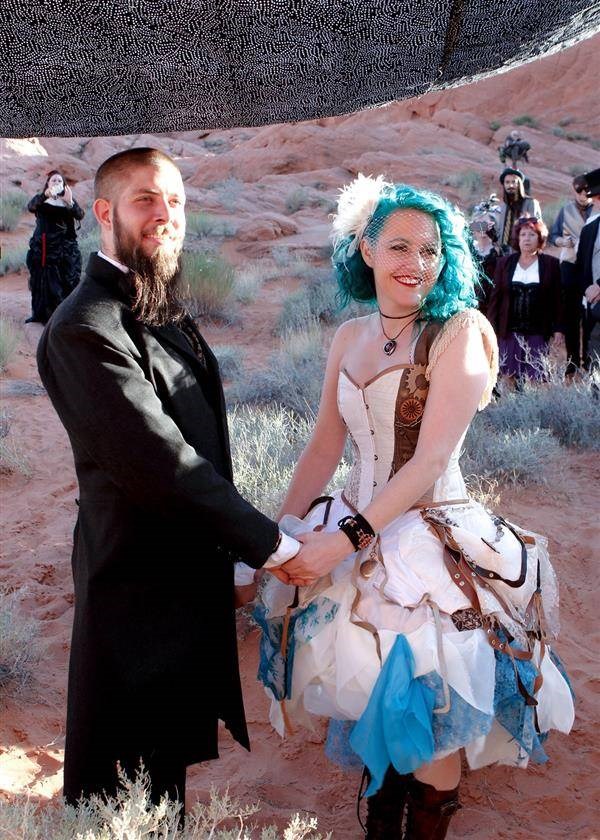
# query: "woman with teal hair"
[[413, 618]]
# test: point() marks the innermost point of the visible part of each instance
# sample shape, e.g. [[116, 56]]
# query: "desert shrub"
[[577, 169], [577, 137], [565, 121], [558, 131], [228, 358], [516, 456], [570, 412], [526, 119], [205, 224], [12, 205], [130, 815], [19, 647], [293, 374], [495, 125], [266, 444], [302, 197], [281, 255], [12, 457], [248, 282], [550, 211], [468, 183], [207, 283], [9, 340], [228, 192], [297, 199], [317, 300], [13, 259]]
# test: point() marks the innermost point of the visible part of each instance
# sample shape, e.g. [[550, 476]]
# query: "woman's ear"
[[366, 252]]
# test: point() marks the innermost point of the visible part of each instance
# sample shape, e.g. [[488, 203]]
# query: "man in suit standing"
[[153, 663], [587, 267], [565, 234]]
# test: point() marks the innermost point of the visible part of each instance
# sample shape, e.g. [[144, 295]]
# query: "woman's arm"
[[324, 450], [457, 384], [78, 212], [36, 202]]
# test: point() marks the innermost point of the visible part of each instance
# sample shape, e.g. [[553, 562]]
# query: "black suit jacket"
[[154, 654], [498, 310], [585, 250]]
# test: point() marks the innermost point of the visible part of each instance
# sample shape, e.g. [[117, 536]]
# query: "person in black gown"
[[53, 259]]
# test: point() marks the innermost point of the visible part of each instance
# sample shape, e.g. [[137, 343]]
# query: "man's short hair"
[[579, 181], [112, 170]]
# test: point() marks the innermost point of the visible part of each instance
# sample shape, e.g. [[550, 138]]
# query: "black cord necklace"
[[392, 340], [397, 317]]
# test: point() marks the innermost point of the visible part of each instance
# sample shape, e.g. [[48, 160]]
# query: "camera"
[[479, 227]]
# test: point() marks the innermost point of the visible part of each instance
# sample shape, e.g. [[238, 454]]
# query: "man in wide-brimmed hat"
[[587, 266], [515, 204]]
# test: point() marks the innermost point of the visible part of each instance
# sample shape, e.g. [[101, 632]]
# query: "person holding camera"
[[53, 259]]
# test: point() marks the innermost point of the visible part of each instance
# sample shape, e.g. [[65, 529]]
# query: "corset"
[[383, 418]]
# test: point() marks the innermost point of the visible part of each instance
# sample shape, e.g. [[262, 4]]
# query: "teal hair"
[[455, 287]]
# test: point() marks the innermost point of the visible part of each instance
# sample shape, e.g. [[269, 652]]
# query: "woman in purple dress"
[[525, 304]]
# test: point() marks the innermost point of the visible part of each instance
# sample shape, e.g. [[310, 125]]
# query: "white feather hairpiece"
[[356, 205]]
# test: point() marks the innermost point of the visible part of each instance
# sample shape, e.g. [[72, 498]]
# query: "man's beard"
[[152, 281]]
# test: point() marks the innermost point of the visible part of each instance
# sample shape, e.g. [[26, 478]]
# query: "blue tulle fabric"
[[275, 671], [396, 726], [399, 725], [452, 730]]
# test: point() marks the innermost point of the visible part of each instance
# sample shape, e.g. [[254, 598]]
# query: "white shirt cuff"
[[243, 574], [288, 548]]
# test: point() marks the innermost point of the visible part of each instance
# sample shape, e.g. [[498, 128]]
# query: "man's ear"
[[103, 212], [366, 252]]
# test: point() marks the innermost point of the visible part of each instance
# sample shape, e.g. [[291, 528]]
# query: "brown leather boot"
[[429, 811], [386, 808]]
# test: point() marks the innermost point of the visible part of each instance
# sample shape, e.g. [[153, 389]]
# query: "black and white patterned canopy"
[[104, 67]]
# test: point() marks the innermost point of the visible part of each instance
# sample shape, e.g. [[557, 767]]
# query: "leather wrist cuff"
[[358, 530]]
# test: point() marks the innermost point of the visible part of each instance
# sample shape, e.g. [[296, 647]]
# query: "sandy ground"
[[38, 515]]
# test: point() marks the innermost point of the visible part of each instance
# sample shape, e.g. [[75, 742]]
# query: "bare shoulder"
[[348, 331], [467, 340]]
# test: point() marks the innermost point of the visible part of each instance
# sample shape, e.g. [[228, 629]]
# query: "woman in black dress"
[[53, 259]]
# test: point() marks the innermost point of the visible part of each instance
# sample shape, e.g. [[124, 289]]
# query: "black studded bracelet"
[[358, 531]]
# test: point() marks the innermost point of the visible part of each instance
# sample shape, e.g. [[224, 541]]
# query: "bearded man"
[[514, 205], [160, 525]]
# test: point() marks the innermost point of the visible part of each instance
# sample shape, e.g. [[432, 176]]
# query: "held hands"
[[319, 554]]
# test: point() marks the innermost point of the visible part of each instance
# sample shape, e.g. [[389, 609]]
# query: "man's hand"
[[319, 554], [279, 573], [592, 293]]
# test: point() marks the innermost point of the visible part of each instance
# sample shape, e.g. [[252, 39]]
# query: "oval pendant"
[[389, 348]]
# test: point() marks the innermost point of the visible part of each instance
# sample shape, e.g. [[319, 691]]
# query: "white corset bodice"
[[383, 419]]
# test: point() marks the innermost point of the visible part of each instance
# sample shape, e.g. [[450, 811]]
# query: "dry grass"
[[10, 335], [131, 816], [12, 457], [19, 647]]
